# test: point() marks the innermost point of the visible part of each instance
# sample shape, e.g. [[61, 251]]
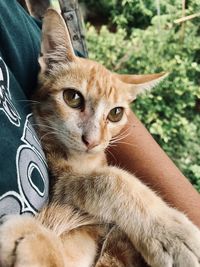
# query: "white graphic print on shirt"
[[5, 97], [30, 160]]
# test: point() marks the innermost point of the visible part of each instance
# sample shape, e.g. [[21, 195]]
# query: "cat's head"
[[83, 105]]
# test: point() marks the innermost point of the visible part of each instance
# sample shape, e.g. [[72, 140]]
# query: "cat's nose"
[[89, 142]]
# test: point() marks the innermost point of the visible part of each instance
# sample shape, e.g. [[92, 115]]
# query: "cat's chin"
[[96, 150], [78, 152], [93, 152]]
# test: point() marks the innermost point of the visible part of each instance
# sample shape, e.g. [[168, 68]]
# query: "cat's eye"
[[73, 98], [116, 114]]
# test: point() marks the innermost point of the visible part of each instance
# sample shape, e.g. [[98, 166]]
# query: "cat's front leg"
[[118, 251], [164, 236], [26, 243]]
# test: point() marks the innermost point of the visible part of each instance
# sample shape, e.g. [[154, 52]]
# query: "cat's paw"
[[24, 242], [174, 241]]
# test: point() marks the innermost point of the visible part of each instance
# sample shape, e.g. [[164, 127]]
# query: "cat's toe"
[[188, 242], [186, 257], [24, 242], [174, 241], [12, 232], [182, 241]]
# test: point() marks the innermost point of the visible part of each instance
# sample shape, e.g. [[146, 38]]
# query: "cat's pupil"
[[116, 114], [73, 98]]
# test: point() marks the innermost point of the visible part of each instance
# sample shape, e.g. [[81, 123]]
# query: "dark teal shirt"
[[23, 169]]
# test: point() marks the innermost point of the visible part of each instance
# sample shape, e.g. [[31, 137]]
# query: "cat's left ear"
[[137, 84], [56, 44]]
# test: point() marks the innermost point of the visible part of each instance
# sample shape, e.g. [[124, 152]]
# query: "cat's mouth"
[[92, 151], [83, 149], [95, 149]]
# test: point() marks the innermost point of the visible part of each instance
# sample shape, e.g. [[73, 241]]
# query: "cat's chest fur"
[[86, 164], [78, 164]]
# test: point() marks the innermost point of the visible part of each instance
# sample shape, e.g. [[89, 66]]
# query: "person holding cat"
[[27, 195], [19, 69]]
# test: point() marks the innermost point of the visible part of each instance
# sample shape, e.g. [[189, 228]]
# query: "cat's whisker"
[[112, 145], [109, 152], [29, 101], [124, 131], [119, 138], [46, 134], [122, 135], [125, 143], [43, 125], [48, 127]]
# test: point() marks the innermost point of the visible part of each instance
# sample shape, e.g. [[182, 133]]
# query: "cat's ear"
[[138, 84], [56, 44]]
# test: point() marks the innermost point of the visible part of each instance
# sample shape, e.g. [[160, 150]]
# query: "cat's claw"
[[175, 242], [23, 242]]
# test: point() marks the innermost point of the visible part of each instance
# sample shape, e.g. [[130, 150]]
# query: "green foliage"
[[170, 110], [133, 13]]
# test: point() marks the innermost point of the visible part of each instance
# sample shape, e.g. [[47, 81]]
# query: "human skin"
[[139, 153]]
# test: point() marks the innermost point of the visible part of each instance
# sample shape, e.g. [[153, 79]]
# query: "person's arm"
[[141, 155]]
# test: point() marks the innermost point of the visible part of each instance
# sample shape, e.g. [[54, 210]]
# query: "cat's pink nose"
[[89, 143]]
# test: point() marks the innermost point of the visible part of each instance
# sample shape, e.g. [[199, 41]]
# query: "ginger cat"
[[98, 215]]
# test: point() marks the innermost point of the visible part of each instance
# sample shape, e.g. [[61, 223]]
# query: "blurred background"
[[147, 36]]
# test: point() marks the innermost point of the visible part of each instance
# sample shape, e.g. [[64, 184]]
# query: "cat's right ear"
[[138, 84], [56, 44]]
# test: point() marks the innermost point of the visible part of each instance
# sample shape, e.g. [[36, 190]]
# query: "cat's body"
[[98, 215]]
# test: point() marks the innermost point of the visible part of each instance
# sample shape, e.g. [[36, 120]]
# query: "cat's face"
[[83, 105]]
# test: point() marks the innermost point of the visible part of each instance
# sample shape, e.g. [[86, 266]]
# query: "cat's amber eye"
[[116, 114], [73, 98]]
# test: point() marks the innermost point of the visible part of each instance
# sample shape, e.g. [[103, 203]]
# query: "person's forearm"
[[141, 155]]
